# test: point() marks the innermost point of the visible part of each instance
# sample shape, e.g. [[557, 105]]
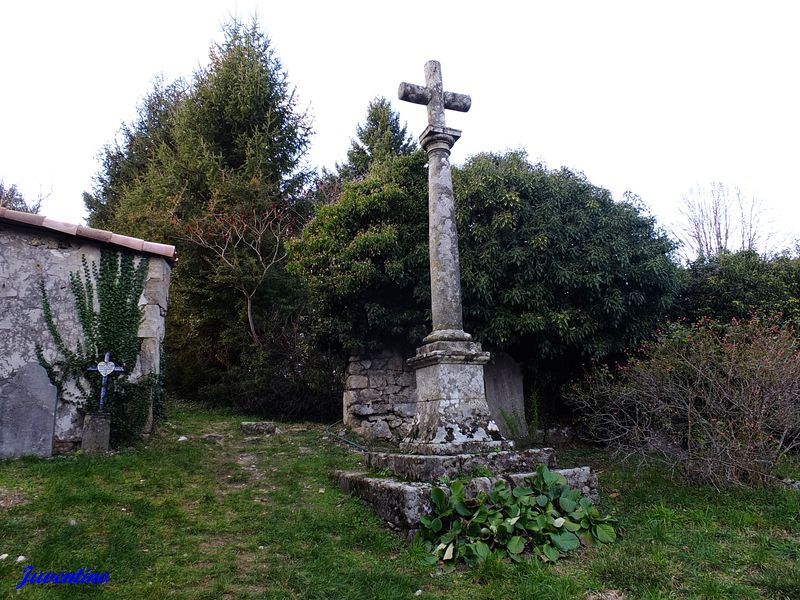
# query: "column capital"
[[438, 138]]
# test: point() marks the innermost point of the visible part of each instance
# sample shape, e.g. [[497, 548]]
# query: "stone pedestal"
[[452, 415], [96, 432]]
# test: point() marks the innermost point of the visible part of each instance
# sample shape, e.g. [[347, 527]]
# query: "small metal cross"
[[433, 96], [105, 368]]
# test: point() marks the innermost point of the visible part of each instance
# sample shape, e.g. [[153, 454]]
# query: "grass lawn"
[[260, 518]]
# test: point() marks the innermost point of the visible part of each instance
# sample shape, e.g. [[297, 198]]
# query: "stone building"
[[35, 249]]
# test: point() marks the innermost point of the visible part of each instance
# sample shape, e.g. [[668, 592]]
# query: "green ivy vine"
[[107, 304]]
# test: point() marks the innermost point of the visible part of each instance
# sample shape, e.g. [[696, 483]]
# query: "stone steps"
[[405, 496]]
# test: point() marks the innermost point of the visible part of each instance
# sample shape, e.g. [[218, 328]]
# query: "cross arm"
[[419, 94]]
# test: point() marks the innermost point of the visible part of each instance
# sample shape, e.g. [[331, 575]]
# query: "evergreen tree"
[[127, 161], [379, 138], [214, 167]]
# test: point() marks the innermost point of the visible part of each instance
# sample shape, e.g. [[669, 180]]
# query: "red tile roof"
[[99, 235]]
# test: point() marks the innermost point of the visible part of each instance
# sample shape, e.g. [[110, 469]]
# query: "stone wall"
[[29, 256], [380, 396]]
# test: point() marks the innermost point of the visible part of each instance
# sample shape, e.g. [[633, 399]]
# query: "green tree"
[[553, 270], [212, 166], [127, 161], [12, 198], [737, 285], [364, 259], [379, 138]]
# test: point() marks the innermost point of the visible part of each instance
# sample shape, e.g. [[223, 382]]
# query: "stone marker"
[[27, 413], [96, 432], [452, 415], [505, 395], [97, 425], [253, 427]]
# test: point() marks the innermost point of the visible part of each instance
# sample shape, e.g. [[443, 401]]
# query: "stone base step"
[[427, 467], [402, 503]]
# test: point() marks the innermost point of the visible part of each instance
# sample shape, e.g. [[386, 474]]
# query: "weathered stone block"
[[27, 413], [405, 409], [377, 380], [378, 429], [366, 396], [96, 433], [354, 368], [509, 462], [255, 427], [364, 410], [403, 503], [414, 467], [400, 503], [505, 396], [357, 382], [427, 467]]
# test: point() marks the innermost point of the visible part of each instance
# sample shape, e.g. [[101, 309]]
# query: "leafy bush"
[[719, 401], [737, 285], [549, 519], [554, 271]]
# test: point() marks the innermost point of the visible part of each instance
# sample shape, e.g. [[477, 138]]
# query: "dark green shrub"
[[737, 285]]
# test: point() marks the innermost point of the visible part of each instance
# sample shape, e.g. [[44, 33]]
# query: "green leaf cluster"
[[365, 259], [546, 519], [552, 266]]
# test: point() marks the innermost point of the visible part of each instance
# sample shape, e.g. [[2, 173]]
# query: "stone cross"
[[437, 140], [451, 412], [433, 95], [105, 368]]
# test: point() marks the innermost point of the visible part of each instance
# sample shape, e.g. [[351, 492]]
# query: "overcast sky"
[[652, 97]]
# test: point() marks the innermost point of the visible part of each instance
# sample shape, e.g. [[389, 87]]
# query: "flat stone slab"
[[427, 467], [255, 427], [445, 449], [402, 503], [27, 413]]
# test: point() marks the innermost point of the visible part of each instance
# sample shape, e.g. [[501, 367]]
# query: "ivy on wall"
[[107, 303]]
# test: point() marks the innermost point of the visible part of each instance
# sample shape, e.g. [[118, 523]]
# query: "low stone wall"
[[380, 396]]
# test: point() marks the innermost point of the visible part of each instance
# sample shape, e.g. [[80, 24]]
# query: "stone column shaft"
[[443, 236]]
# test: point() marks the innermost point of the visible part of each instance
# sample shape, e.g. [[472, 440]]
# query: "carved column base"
[[452, 415]]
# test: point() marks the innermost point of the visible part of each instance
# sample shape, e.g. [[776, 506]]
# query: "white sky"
[[652, 97]]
